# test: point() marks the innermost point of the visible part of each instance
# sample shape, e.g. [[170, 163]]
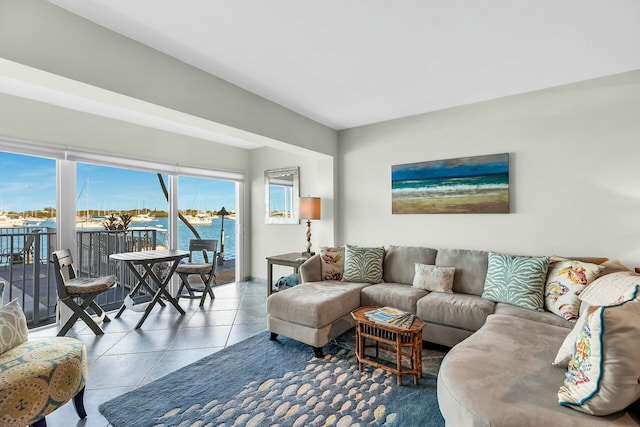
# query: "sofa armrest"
[[311, 270]]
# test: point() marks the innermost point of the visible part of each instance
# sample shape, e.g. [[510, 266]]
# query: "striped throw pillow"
[[363, 265], [516, 280]]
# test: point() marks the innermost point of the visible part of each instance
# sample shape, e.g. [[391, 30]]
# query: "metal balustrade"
[[29, 276]]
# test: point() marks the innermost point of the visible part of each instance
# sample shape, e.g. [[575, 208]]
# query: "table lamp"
[[309, 209]]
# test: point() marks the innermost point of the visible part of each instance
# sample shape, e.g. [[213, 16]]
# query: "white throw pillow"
[[612, 288], [603, 376], [434, 279]]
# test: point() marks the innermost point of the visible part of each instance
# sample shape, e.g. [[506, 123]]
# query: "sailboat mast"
[[88, 191]]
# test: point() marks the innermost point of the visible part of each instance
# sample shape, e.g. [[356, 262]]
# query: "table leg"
[[142, 280], [162, 286], [269, 277], [419, 356], [361, 349], [399, 357]]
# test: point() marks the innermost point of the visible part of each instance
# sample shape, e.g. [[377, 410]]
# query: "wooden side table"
[[293, 259], [389, 338]]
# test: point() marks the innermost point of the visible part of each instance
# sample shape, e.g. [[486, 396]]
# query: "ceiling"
[[346, 63]]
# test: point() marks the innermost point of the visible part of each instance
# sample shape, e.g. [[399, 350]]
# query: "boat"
[[143, 217], [201, 218], [89, 222], [6, 221]]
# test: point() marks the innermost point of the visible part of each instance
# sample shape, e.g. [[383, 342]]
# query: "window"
[[200, 202], [28, 233]]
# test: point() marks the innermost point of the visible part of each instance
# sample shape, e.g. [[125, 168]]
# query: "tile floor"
[[124, 358]]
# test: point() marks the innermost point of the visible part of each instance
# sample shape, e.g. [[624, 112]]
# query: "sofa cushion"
[[315, 304], [516, 280], [565, 280], [363, 264], [332, 262], [462, 311], [471, 269], [393, 295], [13, 326], [538, 316], [603, 376], [433, 278], [399, 262]]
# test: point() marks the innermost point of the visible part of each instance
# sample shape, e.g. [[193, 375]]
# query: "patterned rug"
[[259, 382]]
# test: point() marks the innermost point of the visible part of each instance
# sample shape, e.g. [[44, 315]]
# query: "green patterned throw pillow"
[[13, 326], [363, 265], [516, 280]]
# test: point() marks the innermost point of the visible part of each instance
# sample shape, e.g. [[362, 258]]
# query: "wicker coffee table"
[[404, 342]]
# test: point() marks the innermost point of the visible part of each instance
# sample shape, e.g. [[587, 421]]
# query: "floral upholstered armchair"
[[37, 376]]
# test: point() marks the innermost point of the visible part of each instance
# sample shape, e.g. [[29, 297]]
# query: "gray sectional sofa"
[[499, 371]]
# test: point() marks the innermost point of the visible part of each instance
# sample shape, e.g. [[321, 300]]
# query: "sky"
[[452, 168], [29, 183]]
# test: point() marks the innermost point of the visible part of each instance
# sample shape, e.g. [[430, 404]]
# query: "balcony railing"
[[29, 276]]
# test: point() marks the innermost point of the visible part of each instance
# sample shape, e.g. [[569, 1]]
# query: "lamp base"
[[308, 254]]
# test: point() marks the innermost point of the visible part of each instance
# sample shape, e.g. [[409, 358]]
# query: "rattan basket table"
[[404, 342]]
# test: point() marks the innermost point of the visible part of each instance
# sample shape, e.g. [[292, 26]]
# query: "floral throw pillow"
[[434, 279], [602, 377], [363, 265], [566, 279], [332, 262], [13, 326]]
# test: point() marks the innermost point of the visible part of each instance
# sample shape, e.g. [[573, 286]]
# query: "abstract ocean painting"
[[478, 184]]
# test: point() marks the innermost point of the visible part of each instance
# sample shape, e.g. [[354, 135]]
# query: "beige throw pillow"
[[434, 279], [610, 289]]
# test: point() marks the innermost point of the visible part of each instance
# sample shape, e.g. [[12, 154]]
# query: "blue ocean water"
[[447, 187], [210, 231]]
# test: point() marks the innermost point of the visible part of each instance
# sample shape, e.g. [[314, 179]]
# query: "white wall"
[[316, 180], [574, 173]]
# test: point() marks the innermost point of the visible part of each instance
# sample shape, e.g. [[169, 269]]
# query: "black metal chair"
[[72, 288], [206, 270]]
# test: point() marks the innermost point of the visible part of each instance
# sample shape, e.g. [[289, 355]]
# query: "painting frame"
[[469, 185]]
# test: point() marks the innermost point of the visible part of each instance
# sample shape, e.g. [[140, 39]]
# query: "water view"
[[161, 224], [103, 195]]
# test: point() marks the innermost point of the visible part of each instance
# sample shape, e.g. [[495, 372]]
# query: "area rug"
[[259, 382]]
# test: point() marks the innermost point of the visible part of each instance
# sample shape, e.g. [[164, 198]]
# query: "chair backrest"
[[63, 265], [28, 243], [205, 246]]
